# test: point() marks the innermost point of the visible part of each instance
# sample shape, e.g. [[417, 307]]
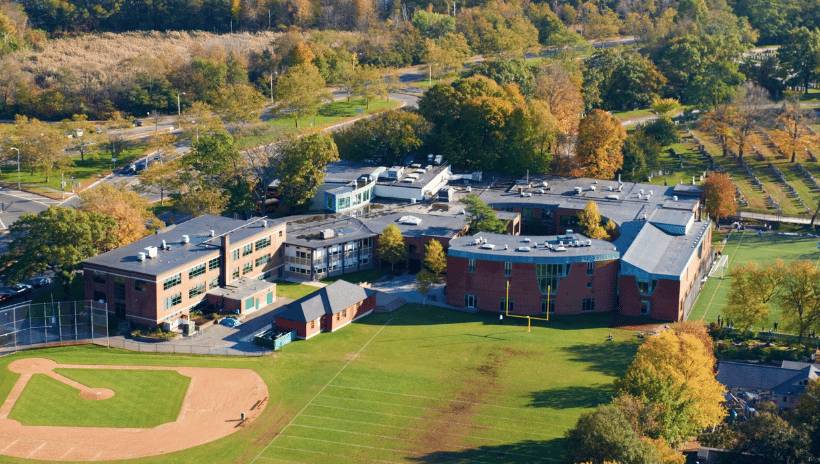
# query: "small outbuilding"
[[327, 309]]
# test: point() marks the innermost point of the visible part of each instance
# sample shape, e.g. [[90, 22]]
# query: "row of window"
[[172, 301], [547, 304], [549, 273]]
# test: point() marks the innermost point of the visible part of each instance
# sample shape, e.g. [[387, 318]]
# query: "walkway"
[[774, 218]]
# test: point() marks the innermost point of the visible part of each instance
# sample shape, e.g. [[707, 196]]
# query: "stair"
[[385, 307]]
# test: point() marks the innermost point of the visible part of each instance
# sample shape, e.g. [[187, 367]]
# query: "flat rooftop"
[[201, 246], [416, 175], [347, 171], [241, 288], [418, 225], [307, 232], [524, 248]]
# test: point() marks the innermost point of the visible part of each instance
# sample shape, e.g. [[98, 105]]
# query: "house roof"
[[332, 299], [780, 380]]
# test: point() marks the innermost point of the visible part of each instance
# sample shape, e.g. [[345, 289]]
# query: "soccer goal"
[[719, 268]]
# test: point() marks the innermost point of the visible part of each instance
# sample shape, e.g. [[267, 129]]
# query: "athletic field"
[[745, 246], [415, 385]]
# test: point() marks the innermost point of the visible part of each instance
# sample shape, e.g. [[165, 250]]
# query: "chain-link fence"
[[180, 348], [38, 325]]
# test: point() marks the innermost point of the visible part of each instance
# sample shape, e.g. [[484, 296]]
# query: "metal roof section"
[[780, 380], [418, 225], [321, 230], [181, 245], [242, 288], [675, 222], [655, 253], [568, 248], [331, 299]]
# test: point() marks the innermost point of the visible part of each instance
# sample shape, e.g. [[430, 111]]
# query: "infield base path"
[[211, 409]]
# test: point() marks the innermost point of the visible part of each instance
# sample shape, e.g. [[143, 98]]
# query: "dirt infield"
[[211, 409]]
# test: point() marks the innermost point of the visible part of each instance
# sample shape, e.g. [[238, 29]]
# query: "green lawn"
[[415, 385], [142, 399], [370, 275], [293, 290], [742, 247]]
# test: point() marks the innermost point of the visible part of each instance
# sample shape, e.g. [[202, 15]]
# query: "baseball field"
[[415, 385], [745, 246]]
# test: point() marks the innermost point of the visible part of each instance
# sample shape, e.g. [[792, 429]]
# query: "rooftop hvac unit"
[[523, 248], [675, 198], [140, 256], [265, 224], [410, 220], [438, 159], [544, 184], [560, 248], [589, 242], [327, 233], [569, 232], [526, 240], [541, 191], [613, 197], [620, 188], [488, 246], [469, 189], [186, 239], [578, 189], [430, 158], [212, 233], [164, 246], [151, 251], [529, 195], [592, 187]]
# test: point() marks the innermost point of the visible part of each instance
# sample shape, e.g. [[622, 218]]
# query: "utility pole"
[[18, 167]]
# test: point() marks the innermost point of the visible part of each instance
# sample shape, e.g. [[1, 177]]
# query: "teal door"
[[249, 304], [270, 297]]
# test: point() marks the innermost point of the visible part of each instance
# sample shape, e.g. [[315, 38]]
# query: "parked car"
[[41, 281], [21, 289], [137, 123], [130, 169], [230, 322]]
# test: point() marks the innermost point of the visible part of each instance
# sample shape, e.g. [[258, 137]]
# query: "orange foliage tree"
[[719, 193], [598, 151]]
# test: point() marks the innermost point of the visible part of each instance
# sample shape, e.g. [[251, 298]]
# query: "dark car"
[[137, 123], [6, 293], [21, 289], [130, 169], [230, 322], [41, 282]]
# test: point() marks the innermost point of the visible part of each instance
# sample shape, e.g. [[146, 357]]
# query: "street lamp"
[[179, 107], [18, 167]]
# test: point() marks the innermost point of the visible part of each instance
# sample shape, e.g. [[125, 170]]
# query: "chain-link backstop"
[[37, 325]]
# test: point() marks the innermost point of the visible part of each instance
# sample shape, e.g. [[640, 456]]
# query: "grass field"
[[293, 290], [415, 385], [142, 399], [742, 247]]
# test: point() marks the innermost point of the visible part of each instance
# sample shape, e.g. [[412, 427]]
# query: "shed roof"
[[332, 299]]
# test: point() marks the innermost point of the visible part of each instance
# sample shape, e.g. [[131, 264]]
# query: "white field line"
[[440, 399], [323, 388], [402, 439], [476, 426], [410, 406]]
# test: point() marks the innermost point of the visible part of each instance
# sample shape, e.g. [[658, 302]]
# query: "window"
[[470, 265], [548, 275], [214, 263], [589, 284], [172, 281], [213, 283], [140, 285], [263, 243], [588, 304], [505, 307], [262, 260], [654, 285], [99, 277], [644, 307], [197, 290], [247, 268], [235, 273], [173, 300], [338, 315], [99, 296], [344, 313], [590, 268], [548, 306], [312, 324], [643, 287], [196, 271], [507, 269], [119, 288], [235, 254], [280, 233], [247, 249], [470, 301]]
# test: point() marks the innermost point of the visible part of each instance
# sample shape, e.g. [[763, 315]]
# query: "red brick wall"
[[338, 320], [299, 327], [663, 302]]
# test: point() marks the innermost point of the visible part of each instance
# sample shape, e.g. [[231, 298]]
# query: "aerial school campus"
[[421, 383]]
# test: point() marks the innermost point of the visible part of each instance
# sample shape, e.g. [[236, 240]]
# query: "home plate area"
[[211, 409]]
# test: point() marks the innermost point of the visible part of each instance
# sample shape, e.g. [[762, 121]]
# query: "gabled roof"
[[780, 380], [331, 300]]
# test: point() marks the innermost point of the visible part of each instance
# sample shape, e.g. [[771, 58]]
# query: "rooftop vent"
[[506, 247], [186, 239], [164, 246], [151, 252], [523, 248], [620, 188], [641, 191], [140, 256], [578, 189], [488, 246], [544, 184], [609, 188], [592, 187], [212, 233], [265, 224], [327, 233], [639, 196], [675, 198], [526, 240], [613, 197], [410, 220], [589, 242]]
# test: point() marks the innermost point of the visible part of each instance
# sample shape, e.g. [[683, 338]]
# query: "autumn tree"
[[41, 147], [387, 137], [130, 210], [301, 170], [617, 79], [605, 435], [752, 291], [719, 195], [369, 83], [598, 152], [198, 120], [301, 91], [559, 86], [589, 221], [792, 134], [391, 246], [483, 217], [445, 56], [239, 104], [767, 438], [435, 258], [57, 239], [746, 114], [198, 199], [675, 372], [798, 298], [164, 177]]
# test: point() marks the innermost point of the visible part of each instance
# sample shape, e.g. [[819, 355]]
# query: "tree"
[[41, 146], [301, 170], [214, 156], [386, 138], [424, 281], [57, 239], [675, 372], [589, 221], [435, 258], [433, 25], [391, 246], [560, 87], [163, 177], [130, 210], [745, 115], [239, 104], [598, 152], [369, 83], [621, 79], [767, 438], [752, 291], [446, 56], [799, 298], [800, 57], [792, 134], [483, 216], [200, 197], [606, 435], [719, 195], [301, 91], [508, 72]]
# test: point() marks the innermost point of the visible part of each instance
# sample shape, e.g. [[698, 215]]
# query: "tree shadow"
[[608, 357], [529, 451], [572, 397]]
